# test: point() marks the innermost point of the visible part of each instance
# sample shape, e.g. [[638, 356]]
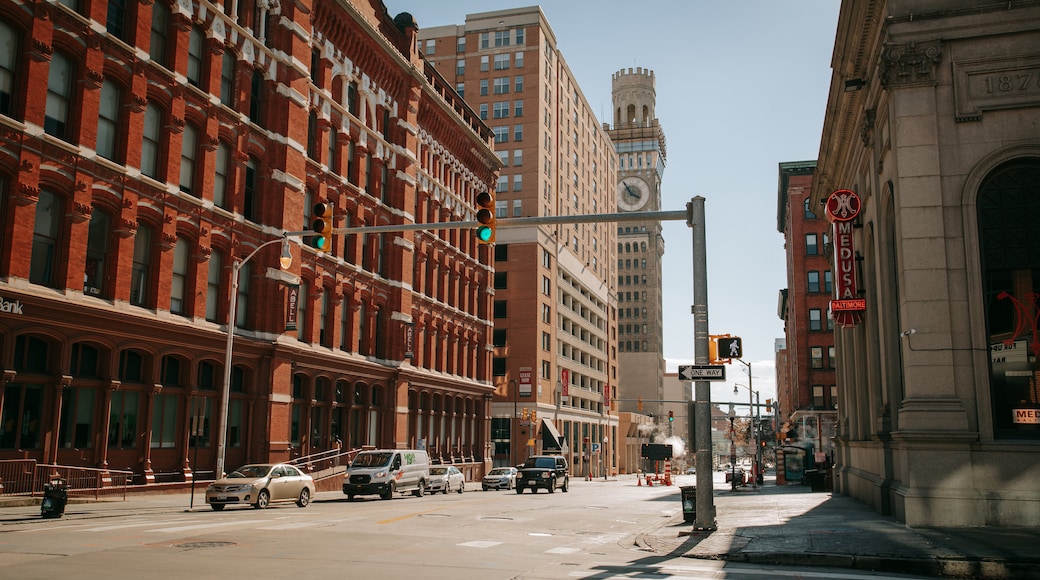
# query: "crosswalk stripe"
[[204, 526]]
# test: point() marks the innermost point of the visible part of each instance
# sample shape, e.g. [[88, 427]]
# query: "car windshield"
[[438, 470], [499, 471], [547, 462], [371, 460], [250, 471]]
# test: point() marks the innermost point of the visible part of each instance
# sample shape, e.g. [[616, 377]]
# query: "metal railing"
[[26, 477], [330, 460]]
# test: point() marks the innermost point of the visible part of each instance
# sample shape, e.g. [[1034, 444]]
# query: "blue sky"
[[741, 87]]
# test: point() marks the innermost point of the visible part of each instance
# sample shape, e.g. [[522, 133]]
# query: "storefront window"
[[1008, 219]]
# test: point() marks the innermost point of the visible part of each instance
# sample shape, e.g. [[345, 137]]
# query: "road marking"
[[562, 550], [479, 544], [204, 526], [124, 526], [406, 516]]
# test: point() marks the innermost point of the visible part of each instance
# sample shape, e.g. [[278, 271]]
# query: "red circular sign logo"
[[843, 205]]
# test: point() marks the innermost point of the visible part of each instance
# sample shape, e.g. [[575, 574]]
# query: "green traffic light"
[[320, 242], [484, 233]]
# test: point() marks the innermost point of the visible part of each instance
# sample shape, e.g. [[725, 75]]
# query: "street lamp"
[[285, 260]]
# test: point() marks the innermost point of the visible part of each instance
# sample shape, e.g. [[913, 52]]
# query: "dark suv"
[[548, 471]]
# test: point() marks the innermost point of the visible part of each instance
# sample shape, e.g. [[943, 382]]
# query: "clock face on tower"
[[632, 194]]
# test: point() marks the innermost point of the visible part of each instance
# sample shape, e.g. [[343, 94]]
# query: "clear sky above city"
[[741, 87]]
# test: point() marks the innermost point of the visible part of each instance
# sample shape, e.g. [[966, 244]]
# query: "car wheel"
[[263, 499], [350, 497], [305, 498], [389, 493], [421, 490], [483, 488], [566, 484], [552, 486], [216, 506], [519, 490], [462, 486]]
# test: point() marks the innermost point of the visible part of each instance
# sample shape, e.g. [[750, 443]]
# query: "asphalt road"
[[590, 532]]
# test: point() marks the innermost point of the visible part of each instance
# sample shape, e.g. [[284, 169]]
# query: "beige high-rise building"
[[555, 310], [640, 144]]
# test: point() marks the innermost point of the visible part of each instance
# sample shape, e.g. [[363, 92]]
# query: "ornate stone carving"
[[41, 52], [93, 79], [913, 63], [80, 212], [27, 194], [126, 228], [169, 241], [138, 103]]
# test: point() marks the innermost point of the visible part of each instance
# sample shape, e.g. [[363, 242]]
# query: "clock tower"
[[640, 145]]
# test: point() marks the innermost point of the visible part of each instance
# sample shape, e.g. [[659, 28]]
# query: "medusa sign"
[[842, 207]]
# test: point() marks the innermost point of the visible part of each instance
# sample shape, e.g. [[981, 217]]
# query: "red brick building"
[[145, 149], [806, 386]]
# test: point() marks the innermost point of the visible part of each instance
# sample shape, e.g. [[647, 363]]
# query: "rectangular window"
[[97, 249], [460, 88], [59, 97], [501, 62], [518, 58], [485, 38], [500, 110], [546, 286], [189, 144], [115, 21], [431, 45], [227, 78], [817, 396], [460, 44], [815, 319], [501, 85], [518, 157], [159, 30], [45, 239], [140, 277], [498, 337], [518, 108], [831, 361], [498, 366], [502, 185], [484, 111], [518, 132], [518, 182], [501, 281], [122, 422], [108, 120], [501, 134], [827, 281], [502, 38], [164, 420], [150, 141], [460, 66], [816, 357], [546, 341], [485, 63], [834, 396], [196, 47], [518, 208], [501, 209], [813, 282], [179, 280], [483, 87], [811, 247], [215, 267], [500, 309], [77, 413], [518, 84]]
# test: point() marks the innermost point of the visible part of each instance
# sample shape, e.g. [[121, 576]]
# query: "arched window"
[[44, 260], [97, 249], [10, 53], [1008, 209]]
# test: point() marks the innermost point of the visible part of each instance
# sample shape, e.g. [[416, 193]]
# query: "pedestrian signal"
[[730, 347]]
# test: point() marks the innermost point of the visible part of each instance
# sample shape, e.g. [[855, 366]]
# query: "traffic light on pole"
[[486, 218], [769, 405], [730, 347], [671, 416], [322, 226]]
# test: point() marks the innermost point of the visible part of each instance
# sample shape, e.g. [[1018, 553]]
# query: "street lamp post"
[[285, 260]]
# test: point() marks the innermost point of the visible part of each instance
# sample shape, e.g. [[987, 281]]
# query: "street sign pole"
[[705, 505]]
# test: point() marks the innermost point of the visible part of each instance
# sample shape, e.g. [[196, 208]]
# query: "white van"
[[384, 472]]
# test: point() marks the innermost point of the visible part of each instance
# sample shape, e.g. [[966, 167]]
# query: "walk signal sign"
[[730, 347]]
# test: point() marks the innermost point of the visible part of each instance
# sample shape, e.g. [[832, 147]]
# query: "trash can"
[[689, 502], [55, 496], [816, 478]]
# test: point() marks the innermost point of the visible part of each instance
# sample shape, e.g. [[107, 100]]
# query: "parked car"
[[691, 471], [499, 478], [260, 485], [446, 478], [548, 471], [386, 472]]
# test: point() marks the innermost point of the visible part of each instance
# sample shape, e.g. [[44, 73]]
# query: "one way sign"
[[702, 372]]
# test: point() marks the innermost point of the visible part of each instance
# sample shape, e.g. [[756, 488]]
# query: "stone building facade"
[[147, 147], [933, 120]]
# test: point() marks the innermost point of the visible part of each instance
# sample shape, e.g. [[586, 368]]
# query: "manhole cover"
[[197, 545]]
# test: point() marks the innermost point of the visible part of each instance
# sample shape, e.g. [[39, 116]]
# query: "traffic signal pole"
[[705, 516]]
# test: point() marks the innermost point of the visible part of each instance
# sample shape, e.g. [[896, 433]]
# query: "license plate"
[[221, 497]]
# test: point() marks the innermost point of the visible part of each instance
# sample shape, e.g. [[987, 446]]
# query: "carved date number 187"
[[1017, 82]]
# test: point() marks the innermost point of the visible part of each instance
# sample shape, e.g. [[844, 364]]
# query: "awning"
[[550, 436]]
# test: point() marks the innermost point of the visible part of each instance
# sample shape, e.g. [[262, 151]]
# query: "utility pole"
[[705, 505]]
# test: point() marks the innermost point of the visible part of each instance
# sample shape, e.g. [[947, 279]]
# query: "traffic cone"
[[639, 482]]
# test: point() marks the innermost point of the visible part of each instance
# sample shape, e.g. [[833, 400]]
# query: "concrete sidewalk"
[[792, 525]]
